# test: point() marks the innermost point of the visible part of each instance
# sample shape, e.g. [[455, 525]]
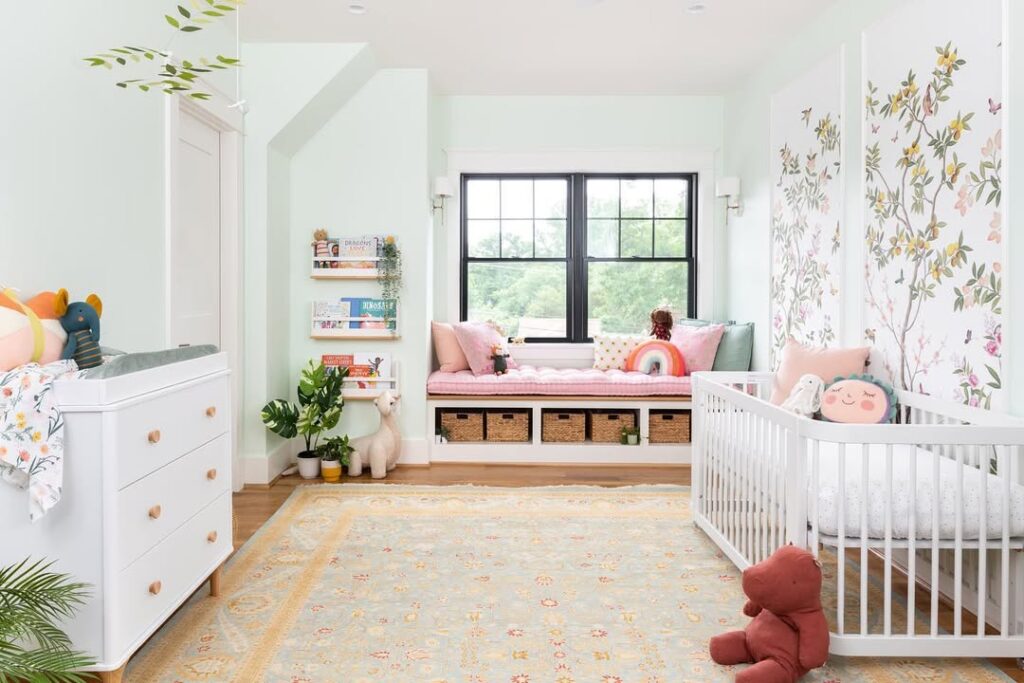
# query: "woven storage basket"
[[669, 426], [508, 425], [564, 426], [463, 425], [606, 425]]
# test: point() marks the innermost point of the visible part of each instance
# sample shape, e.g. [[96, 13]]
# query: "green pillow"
[[736, 349]]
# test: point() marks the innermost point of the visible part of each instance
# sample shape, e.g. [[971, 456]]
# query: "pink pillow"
[[449, 354], [698, 345], [799, 360], [477, 340]]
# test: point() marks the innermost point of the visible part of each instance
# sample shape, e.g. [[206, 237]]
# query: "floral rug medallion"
[[367, 583]]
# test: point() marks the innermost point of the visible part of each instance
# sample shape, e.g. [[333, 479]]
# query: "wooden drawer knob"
[[211, 474], [155, 587], [211, 537], [154, 436], [154, 512], [211, 411]]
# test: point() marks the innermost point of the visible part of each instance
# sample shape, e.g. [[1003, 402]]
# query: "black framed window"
[[560, 257]]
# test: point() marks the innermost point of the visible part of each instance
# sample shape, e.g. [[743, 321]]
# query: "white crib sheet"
[[828, 498]]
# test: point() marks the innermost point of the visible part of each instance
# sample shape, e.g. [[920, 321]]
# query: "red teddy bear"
[[789, 634]]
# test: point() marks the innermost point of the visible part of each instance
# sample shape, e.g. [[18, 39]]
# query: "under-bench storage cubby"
[[463, 425], [669, 426], [508, 425], [563, 426], [606, 425]]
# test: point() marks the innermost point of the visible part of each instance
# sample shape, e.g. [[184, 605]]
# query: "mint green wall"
[[82, 161], [366, 172], [747, 120]]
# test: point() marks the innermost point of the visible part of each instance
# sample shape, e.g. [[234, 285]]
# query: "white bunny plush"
[[805, 398]]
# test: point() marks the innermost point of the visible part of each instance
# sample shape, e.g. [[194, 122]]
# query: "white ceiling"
[[549, 47]]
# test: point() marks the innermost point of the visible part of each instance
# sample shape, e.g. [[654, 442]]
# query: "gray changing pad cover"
[[136, 362]]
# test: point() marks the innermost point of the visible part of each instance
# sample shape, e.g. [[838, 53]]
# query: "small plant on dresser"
[[32, 647], [318, 411]]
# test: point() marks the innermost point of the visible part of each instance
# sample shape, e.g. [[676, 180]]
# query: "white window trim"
[[626, 160]]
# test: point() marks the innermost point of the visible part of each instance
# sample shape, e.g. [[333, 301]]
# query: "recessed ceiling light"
[[696, 8], [357, 7]]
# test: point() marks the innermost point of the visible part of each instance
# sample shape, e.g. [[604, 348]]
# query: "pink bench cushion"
[[528, 380]]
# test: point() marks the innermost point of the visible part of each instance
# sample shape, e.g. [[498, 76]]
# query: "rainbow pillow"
[[656, 357]]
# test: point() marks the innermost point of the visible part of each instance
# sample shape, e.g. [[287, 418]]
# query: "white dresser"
[[146, 510]]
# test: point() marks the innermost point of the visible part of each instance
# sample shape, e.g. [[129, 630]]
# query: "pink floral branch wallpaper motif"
[[932, 165], [807, 207]]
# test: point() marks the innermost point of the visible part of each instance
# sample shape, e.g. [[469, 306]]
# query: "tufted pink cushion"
[[799, 360], [476, 341], [449, 354], [528, 380], [698, 345]]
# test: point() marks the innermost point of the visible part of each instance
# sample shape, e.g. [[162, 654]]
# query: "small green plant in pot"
[[631, 436], [334, 454], [318, 411]]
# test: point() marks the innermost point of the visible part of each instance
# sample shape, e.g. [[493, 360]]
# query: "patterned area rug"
[[366, 583]]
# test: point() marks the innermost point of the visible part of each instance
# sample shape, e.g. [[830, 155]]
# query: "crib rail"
[[919, 525]]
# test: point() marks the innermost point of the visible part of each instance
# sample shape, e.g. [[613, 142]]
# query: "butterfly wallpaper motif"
[[807, 208], [933, 163]]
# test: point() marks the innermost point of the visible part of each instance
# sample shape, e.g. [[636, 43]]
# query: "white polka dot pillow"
[[611, 350]]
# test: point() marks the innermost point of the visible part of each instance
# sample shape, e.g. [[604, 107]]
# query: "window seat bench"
[[531, 397]]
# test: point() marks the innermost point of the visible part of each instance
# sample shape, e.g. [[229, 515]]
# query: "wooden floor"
[[255, 505]]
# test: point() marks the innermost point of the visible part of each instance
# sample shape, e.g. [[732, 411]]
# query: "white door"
[[195, 239]]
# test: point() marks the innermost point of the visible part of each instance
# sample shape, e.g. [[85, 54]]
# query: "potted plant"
[[389, 269], [37, 602], [333, 454], [442, 435], [318, 411], [631, 435]]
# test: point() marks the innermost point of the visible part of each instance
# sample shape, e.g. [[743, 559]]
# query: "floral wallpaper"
[[807, 196], [933, 162]]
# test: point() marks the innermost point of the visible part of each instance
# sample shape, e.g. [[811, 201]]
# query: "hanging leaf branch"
[[173, 78]]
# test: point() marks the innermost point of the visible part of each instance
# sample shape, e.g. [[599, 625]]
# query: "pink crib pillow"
[[450, 357], [476, 341], [799, 360], [698, 345]]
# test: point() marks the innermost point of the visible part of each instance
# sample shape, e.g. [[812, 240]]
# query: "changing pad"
[[136, 362]]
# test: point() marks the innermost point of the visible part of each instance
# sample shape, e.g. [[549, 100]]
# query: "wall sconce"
[[729, 188], [442, 191]]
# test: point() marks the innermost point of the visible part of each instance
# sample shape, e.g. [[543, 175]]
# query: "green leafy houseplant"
[[32, 647], [319, 408], [631, 435], [335, 448]]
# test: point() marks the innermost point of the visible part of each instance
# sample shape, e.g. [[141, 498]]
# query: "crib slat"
[[912, 546], [887, 573], [815, 487], [958, 550], [864, 491], [748, 509], [1003, 465], [841, 548], [982, 464], [934, 585]]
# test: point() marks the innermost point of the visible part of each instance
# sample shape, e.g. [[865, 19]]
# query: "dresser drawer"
[[150, 434], [153, 507], [155, 584]]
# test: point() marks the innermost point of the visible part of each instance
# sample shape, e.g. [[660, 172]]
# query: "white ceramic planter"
[[632, 439], [309, 468]]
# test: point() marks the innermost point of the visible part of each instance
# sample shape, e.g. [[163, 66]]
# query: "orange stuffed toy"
[[789, 634]]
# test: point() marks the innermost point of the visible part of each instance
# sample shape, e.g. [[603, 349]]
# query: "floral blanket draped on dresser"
[[32, 433]]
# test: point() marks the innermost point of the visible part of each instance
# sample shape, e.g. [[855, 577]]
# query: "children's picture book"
[[377, 314], [363, 368], [330, 315]]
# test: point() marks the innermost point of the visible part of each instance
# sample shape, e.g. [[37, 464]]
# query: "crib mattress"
[[928, 495]]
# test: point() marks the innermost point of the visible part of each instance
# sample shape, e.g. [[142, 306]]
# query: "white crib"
[[866, 495]]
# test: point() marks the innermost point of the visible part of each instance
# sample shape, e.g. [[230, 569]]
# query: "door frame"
[[218, 114]]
